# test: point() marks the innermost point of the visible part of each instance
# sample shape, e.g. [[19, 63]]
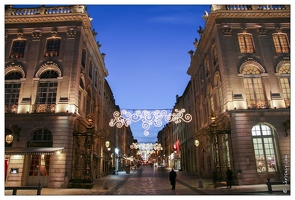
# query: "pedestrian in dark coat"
[[172, 178], [229, 177]]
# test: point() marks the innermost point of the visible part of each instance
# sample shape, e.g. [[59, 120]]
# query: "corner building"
[[240, 72], [57, 101]]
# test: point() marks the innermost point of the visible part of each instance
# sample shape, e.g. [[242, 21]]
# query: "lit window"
[[39, 165], [264, 148], [281, 42], [284, 72], [246, 43], [254, 88]]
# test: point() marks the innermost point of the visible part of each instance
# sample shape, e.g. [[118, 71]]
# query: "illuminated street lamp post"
[[117, 158]]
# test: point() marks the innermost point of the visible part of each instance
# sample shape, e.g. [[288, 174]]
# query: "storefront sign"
[[39, 144]]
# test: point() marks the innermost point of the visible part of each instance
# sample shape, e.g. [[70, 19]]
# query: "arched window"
[[43, 134], [264, 148]]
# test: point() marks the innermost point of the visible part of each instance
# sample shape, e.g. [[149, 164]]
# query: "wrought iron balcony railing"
[[43, 108]]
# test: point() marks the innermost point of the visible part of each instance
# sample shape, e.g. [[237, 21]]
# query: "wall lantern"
[[197, 142], [9, 139], [107, 144]]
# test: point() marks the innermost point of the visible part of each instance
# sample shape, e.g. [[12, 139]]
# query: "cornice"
[[47, 18], [231, 14]]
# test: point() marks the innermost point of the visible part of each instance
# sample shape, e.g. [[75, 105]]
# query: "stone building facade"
[[240, 75], [57, 101]]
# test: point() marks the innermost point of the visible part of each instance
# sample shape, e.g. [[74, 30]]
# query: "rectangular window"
[[83, 59], [52, 47], [246, 43], [281, 43], [12, 93], [47, 93], [90, 69], [285, 87], [18, 49], [95, 78], [254, 93]]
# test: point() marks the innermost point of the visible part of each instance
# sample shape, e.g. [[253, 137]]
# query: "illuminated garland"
[[148, 118]]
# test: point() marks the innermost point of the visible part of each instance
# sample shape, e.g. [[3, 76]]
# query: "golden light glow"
[[9, 138], [107, 144], [197, 143]]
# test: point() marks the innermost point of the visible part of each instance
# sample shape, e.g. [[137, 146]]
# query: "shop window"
[[264, 148], [39, 165]]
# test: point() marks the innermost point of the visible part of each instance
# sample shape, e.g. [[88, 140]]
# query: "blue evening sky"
[[147, 58]]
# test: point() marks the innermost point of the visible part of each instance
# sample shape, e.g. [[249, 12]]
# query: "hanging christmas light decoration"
[[148, 118]]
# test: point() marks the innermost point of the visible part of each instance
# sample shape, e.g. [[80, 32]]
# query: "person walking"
[[229, 177], [172, 178]]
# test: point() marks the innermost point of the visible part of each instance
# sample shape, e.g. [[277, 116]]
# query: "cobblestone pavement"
[[148, 180]]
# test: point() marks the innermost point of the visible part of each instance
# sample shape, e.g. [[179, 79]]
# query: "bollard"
[[105, 185], [39, 189], [200, 185], [269, 186]]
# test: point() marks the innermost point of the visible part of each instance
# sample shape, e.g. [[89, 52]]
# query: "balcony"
[[43, 108], [257, 104], [11, 108]]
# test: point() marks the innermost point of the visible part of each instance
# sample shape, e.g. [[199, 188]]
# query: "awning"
[[31, 150]]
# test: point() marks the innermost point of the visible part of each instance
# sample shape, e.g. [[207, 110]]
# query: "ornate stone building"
[[57, 101], [240, 75]]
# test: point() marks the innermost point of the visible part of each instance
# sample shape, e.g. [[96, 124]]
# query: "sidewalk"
[[208, 187], [104, 186]]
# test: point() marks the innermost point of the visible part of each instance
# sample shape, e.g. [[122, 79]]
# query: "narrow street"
[[149, 180]]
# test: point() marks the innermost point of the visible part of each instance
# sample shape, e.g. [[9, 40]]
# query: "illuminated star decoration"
[[148, 118]]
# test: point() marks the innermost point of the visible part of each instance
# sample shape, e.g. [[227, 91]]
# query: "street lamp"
[[9, 138], [117, 158], [157, 147]]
